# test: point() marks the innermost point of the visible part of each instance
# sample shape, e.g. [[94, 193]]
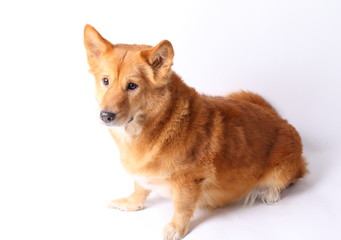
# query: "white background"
[[58, 165]]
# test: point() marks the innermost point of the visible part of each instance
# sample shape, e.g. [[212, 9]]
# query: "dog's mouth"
[[121, 124], [111, 120], [130, 120]]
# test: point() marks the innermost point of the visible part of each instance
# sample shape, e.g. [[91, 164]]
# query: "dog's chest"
[[121, 134], [159, 185]]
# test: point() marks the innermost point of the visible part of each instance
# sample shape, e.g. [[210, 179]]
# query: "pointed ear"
[[160, 58], [94, 43]]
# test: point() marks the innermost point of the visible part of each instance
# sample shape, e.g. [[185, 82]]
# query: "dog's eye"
[[105, 81], [131, 86]]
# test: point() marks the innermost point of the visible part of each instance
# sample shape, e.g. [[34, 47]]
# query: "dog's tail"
[[252, 98]]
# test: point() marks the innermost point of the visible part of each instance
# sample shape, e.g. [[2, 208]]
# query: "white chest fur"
[[121, 134], [159, 185]]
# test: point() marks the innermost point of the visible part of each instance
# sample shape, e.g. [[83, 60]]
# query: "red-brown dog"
[[200, 151]]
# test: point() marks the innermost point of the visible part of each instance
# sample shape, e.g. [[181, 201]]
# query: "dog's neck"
[[172, 110]]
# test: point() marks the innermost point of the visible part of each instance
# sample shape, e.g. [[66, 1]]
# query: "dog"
[[200, 151]]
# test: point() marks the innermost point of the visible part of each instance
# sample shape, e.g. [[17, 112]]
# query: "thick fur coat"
[[198, 150]]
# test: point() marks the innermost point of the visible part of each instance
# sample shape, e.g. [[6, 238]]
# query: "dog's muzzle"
[[107, 117]]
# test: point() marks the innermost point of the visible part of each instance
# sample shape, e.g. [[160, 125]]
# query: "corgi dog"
[[200, 151]]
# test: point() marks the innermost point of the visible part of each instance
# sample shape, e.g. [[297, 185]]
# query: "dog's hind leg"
[[278, 179], [286, 166]]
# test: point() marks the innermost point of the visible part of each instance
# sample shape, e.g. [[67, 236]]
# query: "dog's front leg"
[[185, 195], [133, 202]]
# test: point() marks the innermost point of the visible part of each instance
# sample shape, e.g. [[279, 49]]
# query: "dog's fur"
[[201, 151]]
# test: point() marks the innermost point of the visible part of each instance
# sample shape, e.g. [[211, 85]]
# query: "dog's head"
[[130, 79]]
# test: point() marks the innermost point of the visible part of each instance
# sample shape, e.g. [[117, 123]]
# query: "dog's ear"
[[160, 58], [94, 43]]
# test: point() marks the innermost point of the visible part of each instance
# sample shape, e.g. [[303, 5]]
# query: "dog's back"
[[252, 98]]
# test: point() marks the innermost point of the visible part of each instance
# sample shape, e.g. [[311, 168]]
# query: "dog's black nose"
[[107, 117]]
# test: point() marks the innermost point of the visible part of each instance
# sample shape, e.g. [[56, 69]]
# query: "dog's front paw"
[[124, 204], [171, 232]]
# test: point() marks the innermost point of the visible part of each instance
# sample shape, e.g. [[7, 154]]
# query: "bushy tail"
[[252, 98]]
